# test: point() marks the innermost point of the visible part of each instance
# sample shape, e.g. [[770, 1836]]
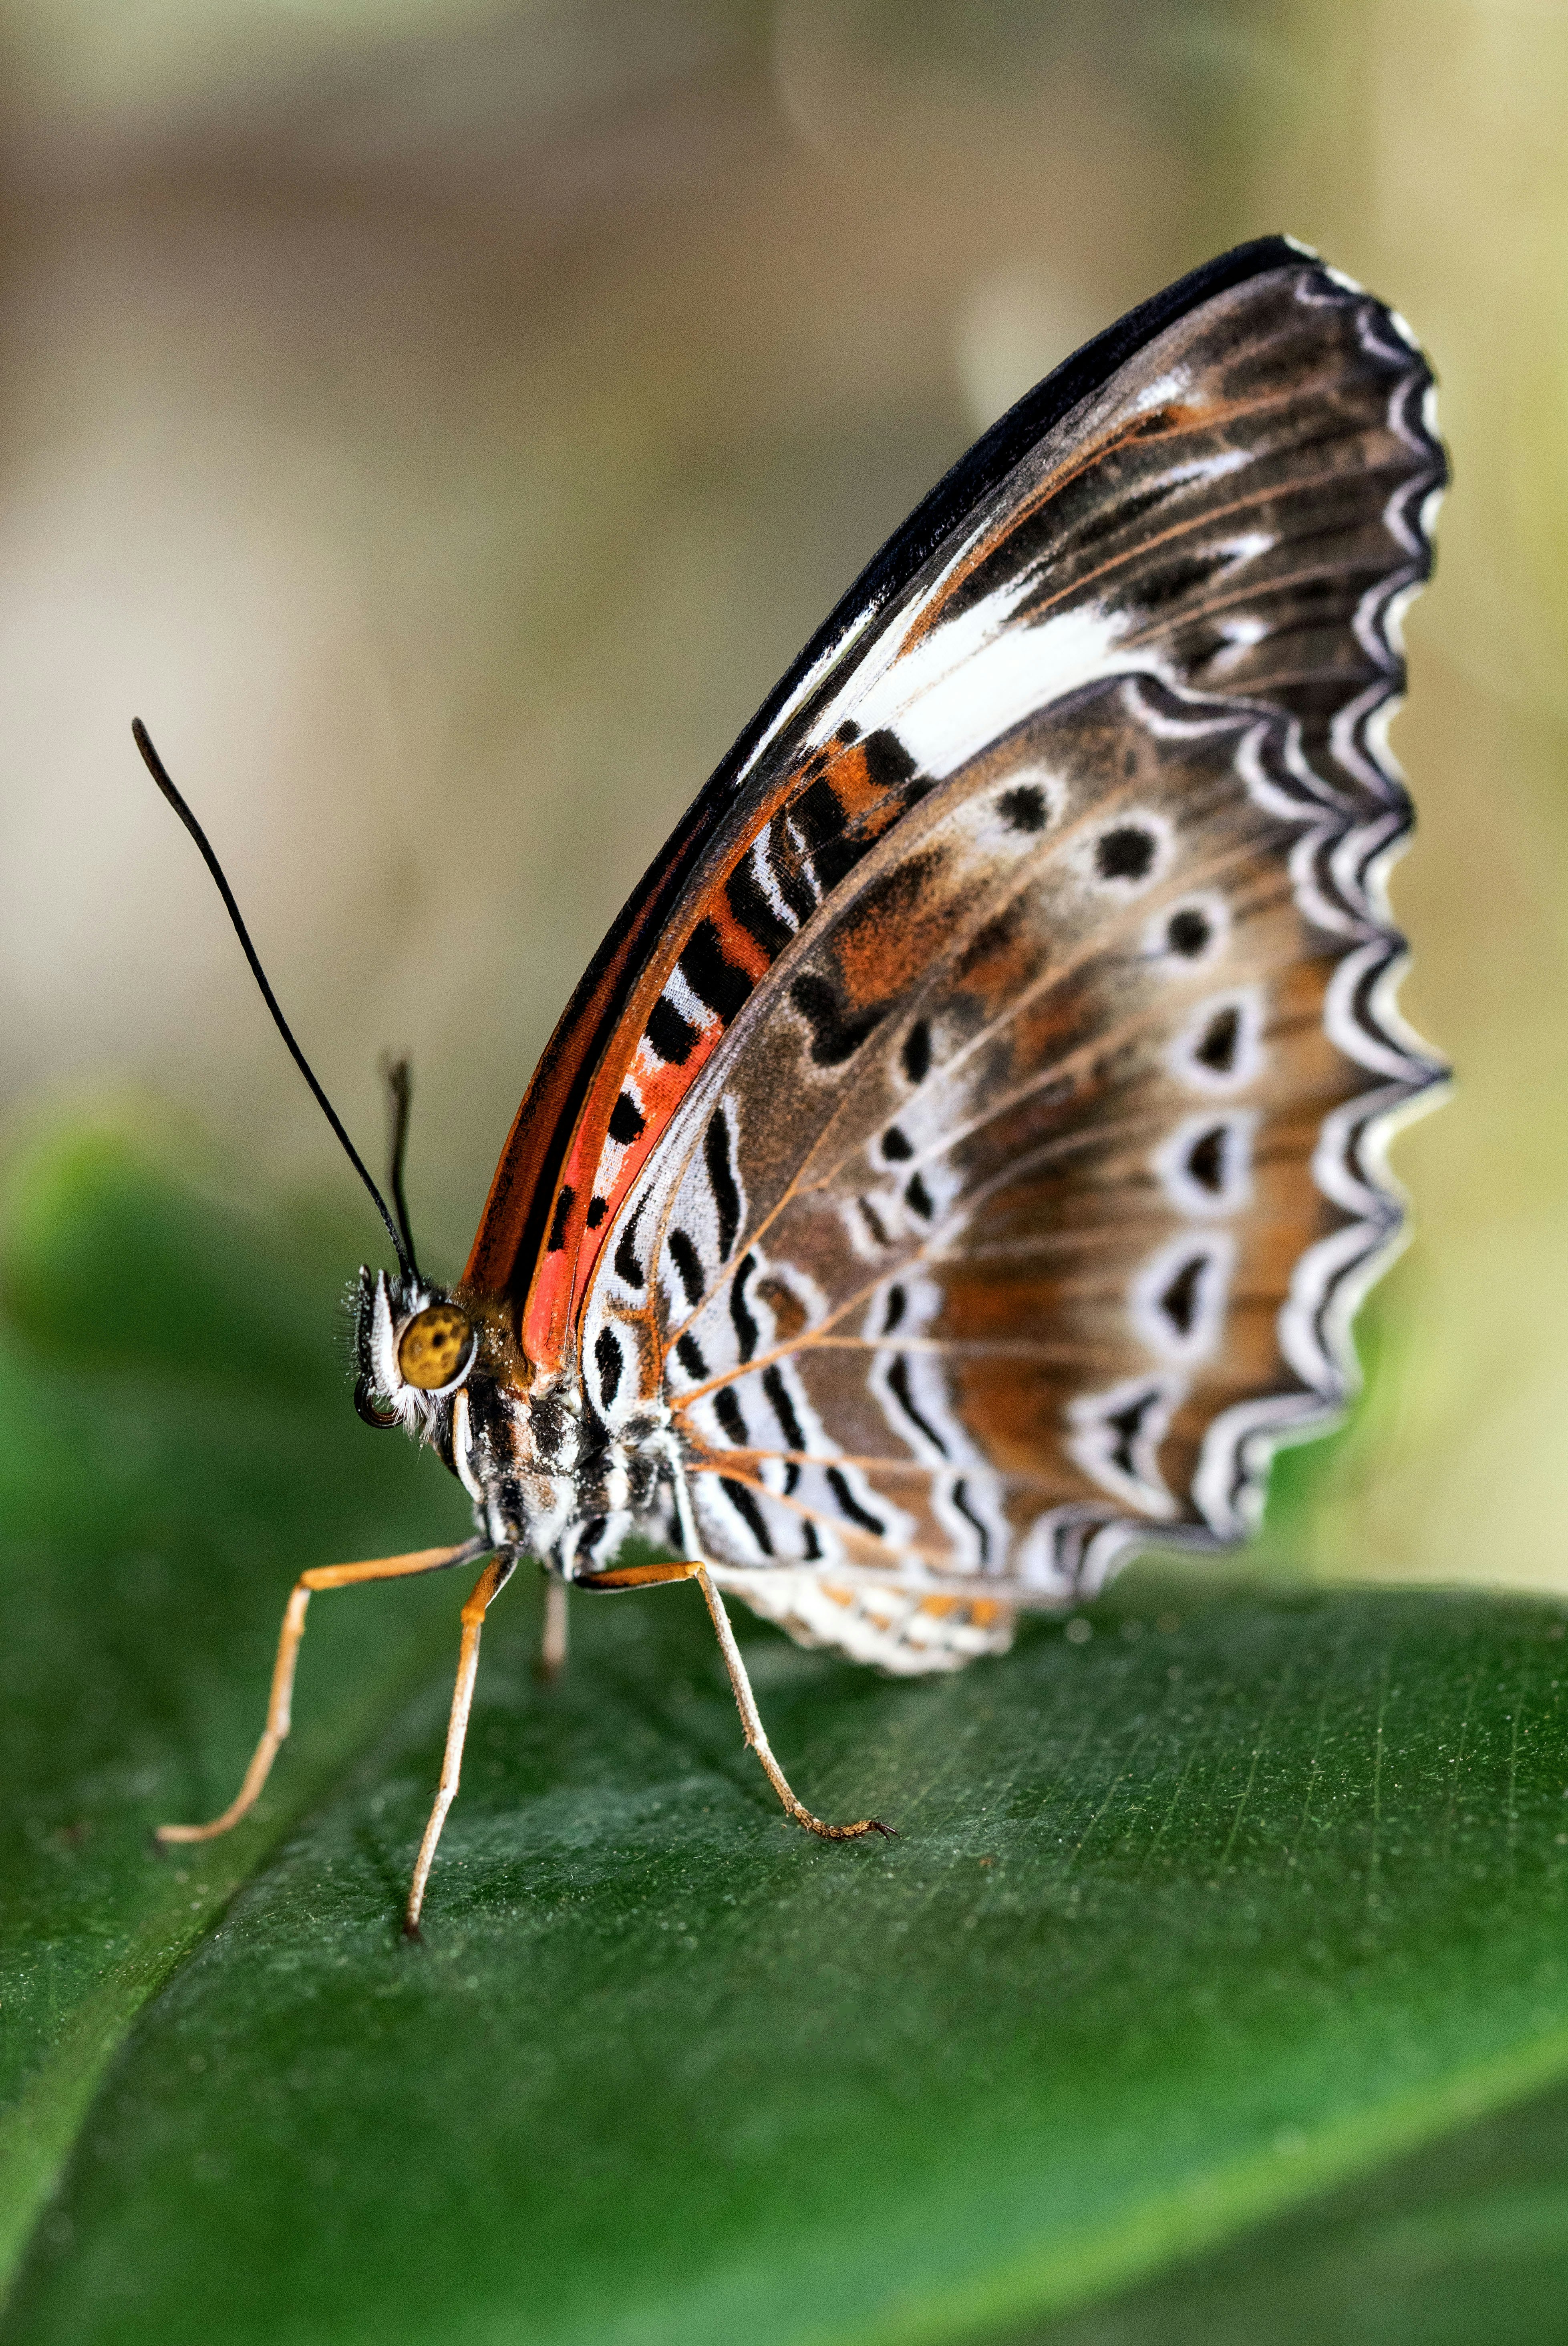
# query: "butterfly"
[[962, 1160]]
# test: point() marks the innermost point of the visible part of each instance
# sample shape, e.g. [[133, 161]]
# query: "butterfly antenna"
[[154, 767], [399, 1083]]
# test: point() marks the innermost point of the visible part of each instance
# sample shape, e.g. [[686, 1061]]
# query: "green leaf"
[[1249, 1895], [1465, 2239], [177, 1449]]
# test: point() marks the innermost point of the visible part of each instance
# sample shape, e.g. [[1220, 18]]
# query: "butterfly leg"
[[326, 1575], [756, 1736], [552, 1658], [489, 1585]]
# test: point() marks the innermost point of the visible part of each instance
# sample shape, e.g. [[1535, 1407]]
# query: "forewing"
[[985, 1162]]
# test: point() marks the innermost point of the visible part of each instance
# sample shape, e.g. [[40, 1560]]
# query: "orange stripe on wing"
[[565, 1272]]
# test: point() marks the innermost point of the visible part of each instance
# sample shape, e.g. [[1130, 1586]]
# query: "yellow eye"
[[433, 1346]]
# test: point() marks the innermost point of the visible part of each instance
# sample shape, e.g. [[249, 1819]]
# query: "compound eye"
[[435, 1348]]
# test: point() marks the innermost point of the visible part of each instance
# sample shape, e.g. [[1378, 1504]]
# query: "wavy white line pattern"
[[1021, 1197]]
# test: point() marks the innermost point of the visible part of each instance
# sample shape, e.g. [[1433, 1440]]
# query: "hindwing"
[[980, 1152]]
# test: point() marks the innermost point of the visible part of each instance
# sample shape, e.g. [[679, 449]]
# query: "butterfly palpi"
[[962, 1158]]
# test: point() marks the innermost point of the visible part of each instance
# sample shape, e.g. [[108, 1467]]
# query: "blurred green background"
[[441, 422]]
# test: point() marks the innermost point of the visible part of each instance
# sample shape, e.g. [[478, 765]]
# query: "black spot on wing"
[[728, 1410], [1180, 1301], [897, 1147], [671, 1036], [889, 764], [783, 1408], [597, 1209], [748, 903], [689, 1352], [899, 1386], [961, 1501], [1206, 1162], [609, 1361], [1188, 932], [895, 1309], [1221, 1038], [837, 1034], [849, 1506], [559, 1221], [628, 1265], [1127, 1425], [724, 989], [1023, 807], [751, 1513], [917, 1199], [688, 1266], [917, 1050], [627, 1122], [721, 1180], [745, 1329], [1126, 853]]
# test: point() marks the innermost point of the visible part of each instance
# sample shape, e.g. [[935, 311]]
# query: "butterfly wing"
[[977, 1145]]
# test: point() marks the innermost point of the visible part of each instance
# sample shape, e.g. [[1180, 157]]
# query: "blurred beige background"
[[443, 419]]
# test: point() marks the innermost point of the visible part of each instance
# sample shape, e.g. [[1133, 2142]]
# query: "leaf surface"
[[1464, 2239], [1244, 1897]]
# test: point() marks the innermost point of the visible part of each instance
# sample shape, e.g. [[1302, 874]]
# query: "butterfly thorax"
[[546, 1476]]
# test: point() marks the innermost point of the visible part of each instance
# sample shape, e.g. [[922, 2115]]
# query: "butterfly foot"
[[802, 1816], [176, 1836], [843, 1832]]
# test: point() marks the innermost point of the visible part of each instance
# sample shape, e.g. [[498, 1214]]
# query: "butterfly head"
[[413, 1349]]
